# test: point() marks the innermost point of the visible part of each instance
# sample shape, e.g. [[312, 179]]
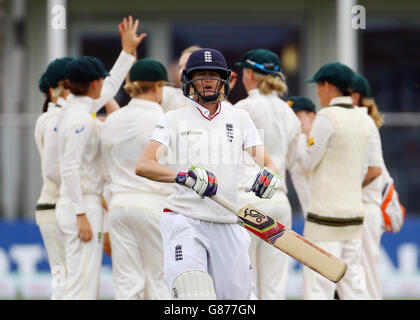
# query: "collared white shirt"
[[215, 143], [78, 153], [323, 139], [125, 135], [278, 126], [111, 85]]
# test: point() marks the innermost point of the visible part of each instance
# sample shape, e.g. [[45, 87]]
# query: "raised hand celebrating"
[[130, 40]]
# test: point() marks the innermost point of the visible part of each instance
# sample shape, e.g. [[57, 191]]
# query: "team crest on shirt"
[[229, 132], [178, 253]]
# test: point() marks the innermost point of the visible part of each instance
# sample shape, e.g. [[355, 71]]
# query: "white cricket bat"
[[286, 240]]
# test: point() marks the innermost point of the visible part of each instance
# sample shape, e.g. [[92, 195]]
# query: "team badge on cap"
[[207, 56]]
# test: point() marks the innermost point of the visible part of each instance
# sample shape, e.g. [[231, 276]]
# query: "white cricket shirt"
[[125, 135], [215, 143], [279, 129], [42, 134], [78, 153]]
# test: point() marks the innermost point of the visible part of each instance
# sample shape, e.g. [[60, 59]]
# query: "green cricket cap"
[[56, 71], [148, 70], [361, 85], [335, 73], [85, 69], [43, 83], [261, 61], [300, 103]]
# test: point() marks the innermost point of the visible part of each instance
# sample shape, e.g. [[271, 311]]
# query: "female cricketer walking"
[[205, 251]]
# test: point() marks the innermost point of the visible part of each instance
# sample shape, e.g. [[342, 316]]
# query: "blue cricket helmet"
[[206, 59]]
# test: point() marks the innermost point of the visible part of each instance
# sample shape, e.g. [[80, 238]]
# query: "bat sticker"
[[254, 214], [272, 239]]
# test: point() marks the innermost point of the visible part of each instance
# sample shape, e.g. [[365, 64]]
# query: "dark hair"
[[77, 88], [343, 92], [46, 101]]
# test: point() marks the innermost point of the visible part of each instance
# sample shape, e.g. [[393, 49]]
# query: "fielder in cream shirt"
[[383, 210], [45, 208], [304, 109], [280, 130], [79, 210], [136, 203], [342, 140]]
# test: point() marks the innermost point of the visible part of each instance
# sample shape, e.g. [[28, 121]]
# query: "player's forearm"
[[261, 157], [153, 170], [111, 106], [112, 84]]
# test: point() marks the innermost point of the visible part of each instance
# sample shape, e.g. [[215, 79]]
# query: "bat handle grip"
[[225, 203], [217, 198]]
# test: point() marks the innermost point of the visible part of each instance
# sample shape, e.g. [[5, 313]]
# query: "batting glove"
[[199, 179], [265, 184]]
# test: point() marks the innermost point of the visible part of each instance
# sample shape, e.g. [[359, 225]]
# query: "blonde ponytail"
[[269, 83], [373, 111], [136, 88]]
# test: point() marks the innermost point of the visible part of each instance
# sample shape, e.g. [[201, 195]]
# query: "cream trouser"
[[54, 245], [371, 237], [270, 265], [83, 259], [351, 287], [137, 254]]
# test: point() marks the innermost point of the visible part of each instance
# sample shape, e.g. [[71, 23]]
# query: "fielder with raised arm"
[[205, 250], [79, 209]]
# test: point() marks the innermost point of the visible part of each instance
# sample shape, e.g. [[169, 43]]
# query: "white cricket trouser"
[[137, 253], [219, 249], [270, 265], [371, 242], [54, 245], [351, 287], [83, 259]]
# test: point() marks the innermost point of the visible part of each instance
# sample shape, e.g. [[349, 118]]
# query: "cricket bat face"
[[292, 243]]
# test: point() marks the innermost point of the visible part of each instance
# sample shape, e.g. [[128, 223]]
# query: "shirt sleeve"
[[49, 162], [251, 137], [375, 148], [76, 138], [312, 151], [292, 149], [113, 82], [161, 133]]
